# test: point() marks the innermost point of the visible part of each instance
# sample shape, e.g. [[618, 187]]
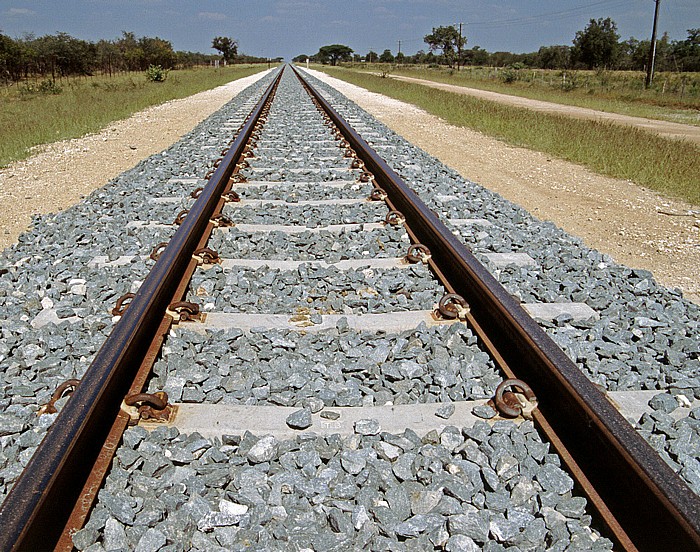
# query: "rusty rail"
[[35, 512], [653, 506]]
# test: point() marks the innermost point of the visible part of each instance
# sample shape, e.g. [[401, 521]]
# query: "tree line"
[[61, 55], [598, 46]]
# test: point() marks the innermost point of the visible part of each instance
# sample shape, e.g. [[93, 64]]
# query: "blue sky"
[[290, 27]]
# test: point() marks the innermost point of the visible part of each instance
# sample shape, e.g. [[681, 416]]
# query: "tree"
[[386, 57], [476, 56], [334, 53], [301, 58], [448, 40], [687, 52], [11, 61], [157, 51], [109, 57], [371, 56], [597, 45], [553, 57], [227, 46], [130, 51]]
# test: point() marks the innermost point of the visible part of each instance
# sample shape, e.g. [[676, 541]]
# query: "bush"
[[156, 73], [45, 87], [569, 81], [509, 75], [49, 86]]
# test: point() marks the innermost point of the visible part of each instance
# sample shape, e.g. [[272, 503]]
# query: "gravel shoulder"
[[666, 129], [614, 216], [64, 172], [635, 226]]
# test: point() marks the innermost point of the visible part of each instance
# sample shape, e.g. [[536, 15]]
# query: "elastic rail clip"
[[50, 407], [418, 253], [206, 256], [395, 218], [157, 250], [378, 194], [453, 306], [231, 197], [221, 221], [180, 218], [122, 304], [512, 405], [153, 407], [184, 311]]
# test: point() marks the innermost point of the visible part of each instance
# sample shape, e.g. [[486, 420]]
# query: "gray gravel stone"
[[301, 419], [367, 427], [484, 411], [121, 507], [403, 467], [473, 525], [552, 478], [445, 411], [663, 402], [264, 450], [353, 461], [151, 541], [114, 535], [84, 538], [461, 543], [423, 502], [10, 424]]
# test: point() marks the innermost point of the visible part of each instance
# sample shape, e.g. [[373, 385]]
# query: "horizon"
[[303, 26]]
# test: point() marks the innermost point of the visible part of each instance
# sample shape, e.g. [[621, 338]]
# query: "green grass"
[[674, 97], [668, 166], [30, 117]]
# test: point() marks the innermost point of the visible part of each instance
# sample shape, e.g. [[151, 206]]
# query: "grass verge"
[[670, 167], [31, 115]]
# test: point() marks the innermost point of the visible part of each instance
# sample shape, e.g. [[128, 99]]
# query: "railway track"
[[314, 395]]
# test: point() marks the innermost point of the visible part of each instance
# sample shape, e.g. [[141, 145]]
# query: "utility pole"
[[459, 47], [399, 46], [652, 49]]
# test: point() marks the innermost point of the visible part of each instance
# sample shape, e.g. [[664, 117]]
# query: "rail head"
[[663, 513]]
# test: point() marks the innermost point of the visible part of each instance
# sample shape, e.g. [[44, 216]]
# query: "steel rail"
[[656, 508], [39, 504]]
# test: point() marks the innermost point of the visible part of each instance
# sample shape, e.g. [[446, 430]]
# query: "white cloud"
[[212, 16], [19, 12], [297, 6]]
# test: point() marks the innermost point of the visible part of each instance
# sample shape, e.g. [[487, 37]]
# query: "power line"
[[541, 18], [558, 14]]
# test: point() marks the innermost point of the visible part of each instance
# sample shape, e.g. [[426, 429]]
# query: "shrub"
[[569, 81], [45, 87], [156, 73], [509, 74], [49, 86]]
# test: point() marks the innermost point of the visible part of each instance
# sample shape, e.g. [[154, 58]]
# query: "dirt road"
[[663, 128]]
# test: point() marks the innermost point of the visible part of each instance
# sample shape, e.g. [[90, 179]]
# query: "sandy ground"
[[617, 217], [64, 172], [635, 226], [666, 129]]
